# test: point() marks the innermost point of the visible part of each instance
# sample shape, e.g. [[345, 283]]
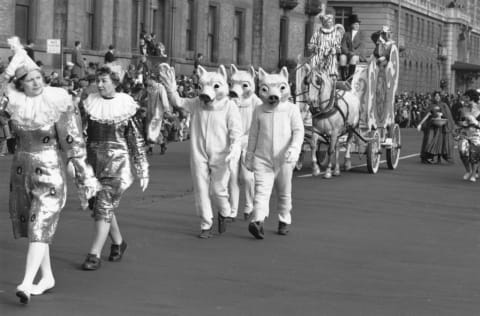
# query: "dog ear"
[[201, 71], [251, 71], [261, 74], [221, 70], [284, 72], [233, 69]]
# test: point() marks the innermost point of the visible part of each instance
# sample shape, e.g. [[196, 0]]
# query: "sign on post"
[[54, 46]]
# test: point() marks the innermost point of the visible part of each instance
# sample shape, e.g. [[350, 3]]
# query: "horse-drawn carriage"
[[359, 117]]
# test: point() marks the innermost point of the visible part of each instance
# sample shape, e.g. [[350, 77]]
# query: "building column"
[[44, 12]]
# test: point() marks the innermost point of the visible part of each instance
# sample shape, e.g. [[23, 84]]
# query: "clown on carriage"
[[352, 107]]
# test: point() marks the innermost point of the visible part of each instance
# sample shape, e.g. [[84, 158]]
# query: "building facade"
[[439, 40]]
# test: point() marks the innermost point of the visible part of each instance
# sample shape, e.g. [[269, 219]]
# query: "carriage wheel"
[[373, 153], [322, 155], [393, 153], [299, 164]]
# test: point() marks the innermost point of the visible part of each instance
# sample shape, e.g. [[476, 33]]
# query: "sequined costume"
[[43, 125], [114, 142], [326, 43]]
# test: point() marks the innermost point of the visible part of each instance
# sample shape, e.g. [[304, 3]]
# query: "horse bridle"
[[332, 106]]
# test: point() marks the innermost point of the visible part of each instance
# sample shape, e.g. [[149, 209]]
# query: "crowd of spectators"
[[410, 108]]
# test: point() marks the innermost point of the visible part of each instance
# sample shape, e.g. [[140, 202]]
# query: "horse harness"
[[332, 107]]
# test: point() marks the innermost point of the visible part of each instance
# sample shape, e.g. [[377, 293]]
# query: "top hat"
[[353, 19]]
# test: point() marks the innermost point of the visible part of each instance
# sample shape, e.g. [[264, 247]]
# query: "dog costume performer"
[[216, 131], [274, 144], [242, 92]]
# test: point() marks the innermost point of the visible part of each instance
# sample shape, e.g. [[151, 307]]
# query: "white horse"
[[334, 113]]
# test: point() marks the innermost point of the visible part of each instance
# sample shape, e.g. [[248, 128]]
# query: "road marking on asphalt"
[[362, 165]]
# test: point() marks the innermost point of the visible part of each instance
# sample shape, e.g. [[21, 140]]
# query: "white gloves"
[[167, 78], [233, 157]]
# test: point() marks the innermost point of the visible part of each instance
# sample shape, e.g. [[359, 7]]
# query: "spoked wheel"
[[393, 153], [373, 152], [322, 155]]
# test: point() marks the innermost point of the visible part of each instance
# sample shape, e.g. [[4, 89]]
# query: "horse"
[[334, 114]]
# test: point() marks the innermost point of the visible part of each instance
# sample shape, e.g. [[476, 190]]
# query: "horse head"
[[319, 87]]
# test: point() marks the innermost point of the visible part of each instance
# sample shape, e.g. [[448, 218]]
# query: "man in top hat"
[[325, 43], [352, 46]]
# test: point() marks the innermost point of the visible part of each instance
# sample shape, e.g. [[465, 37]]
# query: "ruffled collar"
[[117, 109], [36, 112]]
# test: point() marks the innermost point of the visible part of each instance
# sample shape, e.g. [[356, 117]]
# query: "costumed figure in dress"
[[469, 145], [469, 110], [215, 140], [242, 92], [114, 142], [274, 144], [383, 45], [437, 126], [325, 43], [44, 121], [157, 108]]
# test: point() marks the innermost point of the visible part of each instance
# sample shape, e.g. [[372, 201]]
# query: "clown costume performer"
[[214, 144], [326, 42], [44, 121], [114, 142]]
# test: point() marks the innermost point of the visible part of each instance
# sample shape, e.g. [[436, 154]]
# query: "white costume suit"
[[214, 130], [274, 132], [242, 174]]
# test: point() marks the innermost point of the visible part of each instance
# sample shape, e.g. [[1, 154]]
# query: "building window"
[[341, 16], [22, 18], [212, 34], [89, 25], [283, 45], [238, 36], [190, 36]]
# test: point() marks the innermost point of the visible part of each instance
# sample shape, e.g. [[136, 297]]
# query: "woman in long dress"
[[437, 141], [44, 120]]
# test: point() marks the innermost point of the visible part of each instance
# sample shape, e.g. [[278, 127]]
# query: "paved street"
[[402, 242]]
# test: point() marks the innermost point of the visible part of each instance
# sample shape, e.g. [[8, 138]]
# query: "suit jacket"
[[78, 63], [354, 47], [109, 57]]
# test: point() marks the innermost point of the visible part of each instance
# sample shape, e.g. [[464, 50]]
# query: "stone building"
[[439, 39]]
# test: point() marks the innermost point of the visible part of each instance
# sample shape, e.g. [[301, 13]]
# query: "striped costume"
[[326, 44]]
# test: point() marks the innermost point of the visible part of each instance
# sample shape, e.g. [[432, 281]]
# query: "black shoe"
[[246, 216], [256, 229], [23, 296], [427, 161], [205, 233], [282, 228], [92, 262], [116, 251], [222, 224]]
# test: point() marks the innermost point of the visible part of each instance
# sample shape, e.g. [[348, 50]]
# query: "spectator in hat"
[[352, 45], [109, 56], [29, 49]]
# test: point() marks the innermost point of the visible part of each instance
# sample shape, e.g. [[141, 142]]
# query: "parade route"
[[400, 242]]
